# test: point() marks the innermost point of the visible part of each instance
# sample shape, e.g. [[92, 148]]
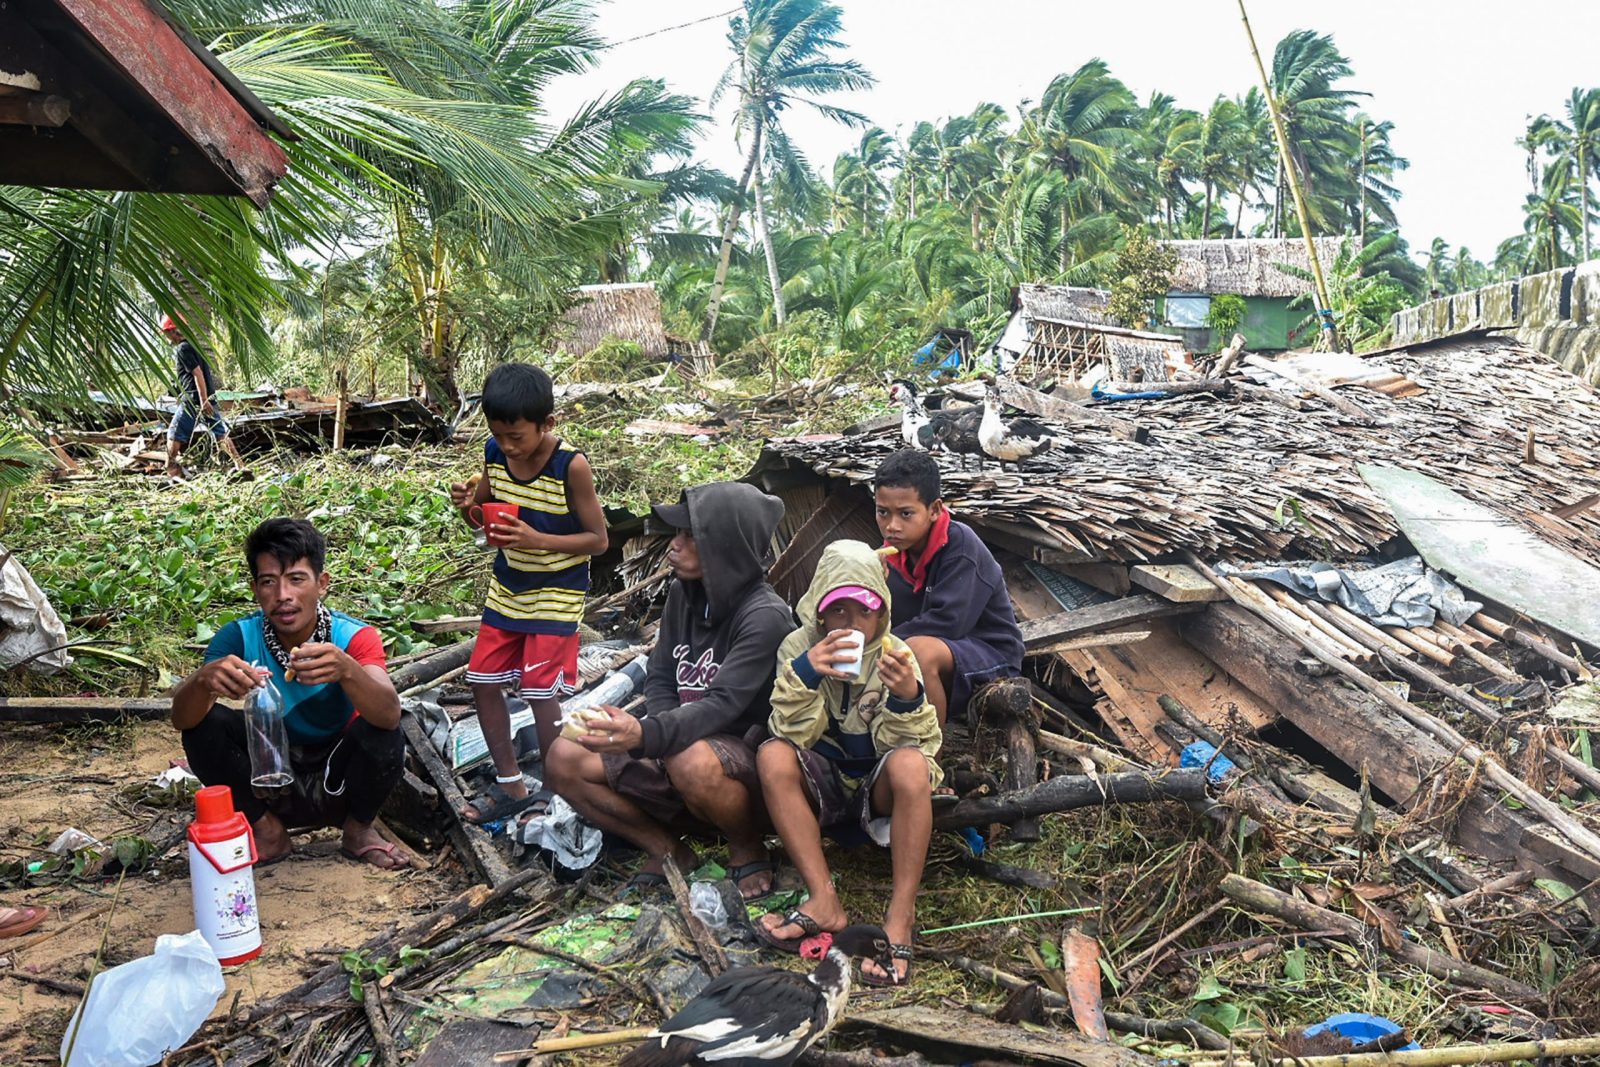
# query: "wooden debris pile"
[[1244, 477]]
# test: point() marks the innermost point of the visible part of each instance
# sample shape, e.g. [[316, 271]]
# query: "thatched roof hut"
[[1249, 266], [1065, 303], [628, 311]]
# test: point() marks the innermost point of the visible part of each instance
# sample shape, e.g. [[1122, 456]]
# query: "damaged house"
[[1130, 550]]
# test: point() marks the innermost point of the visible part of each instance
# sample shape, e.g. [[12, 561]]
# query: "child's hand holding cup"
[[838, 655]]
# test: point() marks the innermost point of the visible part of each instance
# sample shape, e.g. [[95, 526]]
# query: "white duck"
[[1010, 441]]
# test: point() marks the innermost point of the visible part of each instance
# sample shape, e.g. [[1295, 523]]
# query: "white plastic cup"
[[852, 666]]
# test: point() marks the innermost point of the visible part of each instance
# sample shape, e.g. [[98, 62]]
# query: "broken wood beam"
[[433, 666], [35, 710], [1438, 1056], [1229, 356], [1036, 403], [1067, 792], [35, 109], [1307, 916], [473, 842], [1574, 766], [1175, 581], [1008, 703], [1039, 635], [962, 1036], [1579, 835], [595, 607]]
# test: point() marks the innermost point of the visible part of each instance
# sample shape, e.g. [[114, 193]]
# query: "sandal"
[[359, 855], [892, 979], [20, 920], [796, 917], [503, 805], [745, 870]]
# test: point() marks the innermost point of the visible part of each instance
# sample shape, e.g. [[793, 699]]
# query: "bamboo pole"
[[1374, 635], [572, 1043], [1443, 1056], [1324, 312], [1537, 802], [1419, 646], [1352, 650]]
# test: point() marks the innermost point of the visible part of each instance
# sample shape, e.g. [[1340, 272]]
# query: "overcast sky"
[[1458, 79]]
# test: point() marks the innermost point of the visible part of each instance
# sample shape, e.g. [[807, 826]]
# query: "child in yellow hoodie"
[[849, 747]]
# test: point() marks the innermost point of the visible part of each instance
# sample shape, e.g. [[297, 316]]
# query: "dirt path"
[[313, 905]]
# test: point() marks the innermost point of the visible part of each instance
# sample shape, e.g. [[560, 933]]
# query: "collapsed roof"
[[101, 95]]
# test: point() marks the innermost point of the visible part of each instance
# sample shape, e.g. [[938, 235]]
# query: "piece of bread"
[[289, 672], [887, 550], [576, 722]]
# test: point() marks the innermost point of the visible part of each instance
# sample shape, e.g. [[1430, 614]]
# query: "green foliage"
[[1224, 317], [163, 568], [1141, 272]]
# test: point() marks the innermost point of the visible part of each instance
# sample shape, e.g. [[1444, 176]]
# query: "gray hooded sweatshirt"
[[716, 651]]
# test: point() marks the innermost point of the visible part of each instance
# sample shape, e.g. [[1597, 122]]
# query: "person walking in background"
[[196, 392]]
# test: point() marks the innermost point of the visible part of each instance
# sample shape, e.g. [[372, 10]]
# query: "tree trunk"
[[1361, 225], [1205, 219], [1064, 251], [1277, 202], [1238, 217], [725, 254], [1583, 196], [766, 245]]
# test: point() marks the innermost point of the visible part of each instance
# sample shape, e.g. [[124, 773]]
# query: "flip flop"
[[745, 870], [503, 806], [896, 952], [796, 917], [386, 847], [26, 919]]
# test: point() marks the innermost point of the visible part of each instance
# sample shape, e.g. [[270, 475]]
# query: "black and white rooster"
[[1010, 440], [765, 1016], [912, 415]]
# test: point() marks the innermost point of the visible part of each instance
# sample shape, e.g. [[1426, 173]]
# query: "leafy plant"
[[1142, 271], [1224, 317], [363, 968]]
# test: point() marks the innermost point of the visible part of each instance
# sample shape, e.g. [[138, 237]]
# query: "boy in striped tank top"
[[529, 633]]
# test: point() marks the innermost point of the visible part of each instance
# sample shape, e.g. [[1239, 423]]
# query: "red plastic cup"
[[487, 515]]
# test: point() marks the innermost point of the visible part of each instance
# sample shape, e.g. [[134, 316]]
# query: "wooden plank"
[[1134, 678], [80, 709], [448, 624], [1357, 729], [1176, 581], [1110, 578], [472, 842], [968, 1036], [1129, 611]]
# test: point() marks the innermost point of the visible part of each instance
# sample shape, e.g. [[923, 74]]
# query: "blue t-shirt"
[[313, 714]]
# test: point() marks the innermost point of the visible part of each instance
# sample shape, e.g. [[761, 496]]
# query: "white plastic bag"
[[140, 1011]]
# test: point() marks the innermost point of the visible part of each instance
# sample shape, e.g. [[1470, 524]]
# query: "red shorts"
[[542, 666]]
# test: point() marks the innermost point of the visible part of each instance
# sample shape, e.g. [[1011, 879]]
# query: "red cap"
[[214, 803], [859, 593], [167, 323]]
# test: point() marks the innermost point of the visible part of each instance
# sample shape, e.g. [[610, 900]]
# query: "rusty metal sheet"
[[155, 59]]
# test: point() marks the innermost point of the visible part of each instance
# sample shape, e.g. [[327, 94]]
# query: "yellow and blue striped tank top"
[[536, 592]]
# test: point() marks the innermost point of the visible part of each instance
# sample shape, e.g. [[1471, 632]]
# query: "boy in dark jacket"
[[948, 594], [706, 696]]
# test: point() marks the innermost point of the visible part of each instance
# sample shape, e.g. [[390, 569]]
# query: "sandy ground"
[[313, 905]]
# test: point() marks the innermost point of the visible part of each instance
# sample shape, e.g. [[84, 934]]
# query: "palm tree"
[[1169, 141], [1220, 150], [1438, 266], [784, 53], [1083, 129], [1549, 215], [411, 115], [1376, 165], [1576, 140], [1305, 69]]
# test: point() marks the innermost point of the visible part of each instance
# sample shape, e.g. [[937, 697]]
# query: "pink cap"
[[859, 593]]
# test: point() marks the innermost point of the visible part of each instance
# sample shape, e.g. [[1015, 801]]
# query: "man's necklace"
[[319, 635]]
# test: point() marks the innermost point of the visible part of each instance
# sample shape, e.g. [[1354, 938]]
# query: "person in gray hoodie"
[[707, 697]]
